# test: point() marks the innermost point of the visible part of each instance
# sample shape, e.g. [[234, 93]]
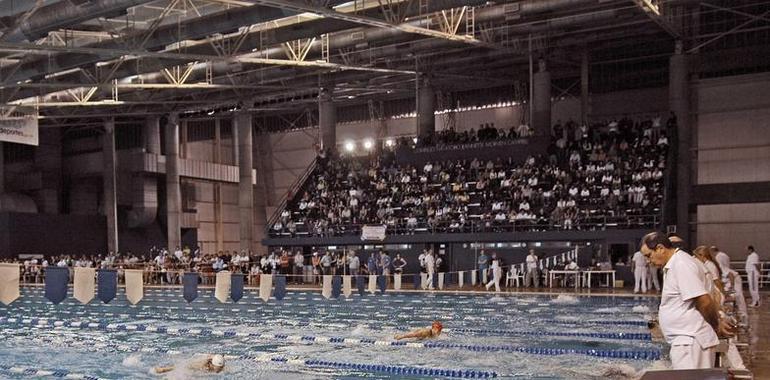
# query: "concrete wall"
[[732, 227], [733, 141], [733, 135]]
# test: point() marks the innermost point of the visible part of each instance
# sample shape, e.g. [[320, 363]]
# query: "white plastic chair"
[[513, 276]]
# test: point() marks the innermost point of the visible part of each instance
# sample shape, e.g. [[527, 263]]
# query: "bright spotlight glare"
[[368, 144], [350, 146], [389, 142]]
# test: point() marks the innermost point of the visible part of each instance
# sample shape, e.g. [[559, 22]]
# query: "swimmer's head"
[[437, 325], [218, 361]]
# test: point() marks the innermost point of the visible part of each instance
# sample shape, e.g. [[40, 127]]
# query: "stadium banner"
[[373, 233], [19, 126]]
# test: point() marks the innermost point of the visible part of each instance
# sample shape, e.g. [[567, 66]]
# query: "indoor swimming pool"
[[306, 336]]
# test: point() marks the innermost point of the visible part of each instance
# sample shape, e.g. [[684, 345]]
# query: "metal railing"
[[293, 190], [592, 223]]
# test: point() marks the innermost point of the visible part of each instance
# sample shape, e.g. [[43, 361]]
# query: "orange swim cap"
[[437, 325]]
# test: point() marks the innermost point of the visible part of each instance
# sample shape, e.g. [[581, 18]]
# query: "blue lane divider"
[[106, 326], [604, 335], [13, 370], [378, 368]]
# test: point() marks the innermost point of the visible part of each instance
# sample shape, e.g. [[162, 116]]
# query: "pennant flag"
[[417, 283], [336, 287], [83, 288], [265, 286], [441, 280], [434, 280], [372, 283], [484, 279], [360, 285], [222, 287], [280, 287], [347, 288], [56, 279], [107, 279], [236, 286], [460, 279], [190, 286], [9, 283], [473, 277], [424, 280], [134, 285], [397, 281], [382, 283], [326, 290]]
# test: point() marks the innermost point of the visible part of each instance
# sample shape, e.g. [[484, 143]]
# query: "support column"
[[108, 179], [242, 123], [679, 102], [173, 192], [217, 142], [541, 118], [2, 167], [152, 135], [584, 70], [327, 118], [426, 108]]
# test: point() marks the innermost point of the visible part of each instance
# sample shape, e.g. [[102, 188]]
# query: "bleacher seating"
[[607, 175]]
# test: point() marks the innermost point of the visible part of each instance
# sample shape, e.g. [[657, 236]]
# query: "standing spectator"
[[326, 263], [689, 317], [316, 262], [753, 273], [354, 263], [483, 263], [299, 261], [532, 270], [398, 264], [497, 273], [640, 272], [430, 266]]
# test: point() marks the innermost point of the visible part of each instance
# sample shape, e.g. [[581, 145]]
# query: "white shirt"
[[531, 262], [572, 266], [724, 261], [430, 263], [712, 270], [639, 260], [752, 262], [680, 321]]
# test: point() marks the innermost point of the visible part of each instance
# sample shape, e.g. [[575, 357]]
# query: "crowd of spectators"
[[486, 132], [592, 176]]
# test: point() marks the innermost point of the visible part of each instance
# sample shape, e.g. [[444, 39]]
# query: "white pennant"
[[441, 280], [484, 276], [473, 277], [460, 279], [9, 283], [397, 281], [424, 280], [84, 284], [222, 289], [134, 285], [347, 288], [265, 286], [326, 291], [372, 283]]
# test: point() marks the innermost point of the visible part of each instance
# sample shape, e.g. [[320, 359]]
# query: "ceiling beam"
[[653, 12]]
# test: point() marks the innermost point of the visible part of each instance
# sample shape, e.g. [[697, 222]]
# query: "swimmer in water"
[[212, 363], [420, 334]]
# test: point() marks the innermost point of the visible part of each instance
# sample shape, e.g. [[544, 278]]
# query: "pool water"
[[514, 336]]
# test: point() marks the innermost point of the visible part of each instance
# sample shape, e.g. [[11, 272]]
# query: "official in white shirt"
[[640, 272], [689, 317], [497, 273], [753, 273], [532, 273], [723, 260]]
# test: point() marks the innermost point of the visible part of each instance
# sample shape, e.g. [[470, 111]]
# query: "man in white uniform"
[[532, 275], [753, 272], [723, 260], [640, 272], [497, 273], [689, 317], [430, 266]]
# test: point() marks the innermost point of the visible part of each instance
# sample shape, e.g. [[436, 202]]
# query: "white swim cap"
[[218, 361]]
